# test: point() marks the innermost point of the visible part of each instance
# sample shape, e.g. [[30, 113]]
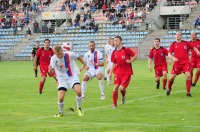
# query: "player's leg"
[[125, 79], [86, 77], [41, 85], [188, 83], [164, 80], [196, 77], [108, 79], [99, 76], [115, 95], [170, 83], [157, 79], [61, 95], [77, 89]]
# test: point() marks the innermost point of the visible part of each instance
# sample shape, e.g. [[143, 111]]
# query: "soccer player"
[[34, 50], [95, 62], [180, 49], [44, 55], [158, 54], [67, 76], [108, 54], [105, 49], [122, 58], [195, 59]]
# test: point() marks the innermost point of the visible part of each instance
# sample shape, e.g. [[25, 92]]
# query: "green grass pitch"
[[147, 109]]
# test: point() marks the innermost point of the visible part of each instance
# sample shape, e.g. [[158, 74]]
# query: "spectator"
[[197, 22], [63, 7], [104, 8], [29, 33], [36, 27], [96, 28]]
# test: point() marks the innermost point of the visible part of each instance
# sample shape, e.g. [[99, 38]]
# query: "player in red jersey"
[[195, 59], [158, 54], [44, 55], [122, 58], [180, 49]]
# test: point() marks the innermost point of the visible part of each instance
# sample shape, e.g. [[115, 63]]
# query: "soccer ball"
[[67, 46]]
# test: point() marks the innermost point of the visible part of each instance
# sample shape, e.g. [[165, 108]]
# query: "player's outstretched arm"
[[83, 63], [51, 70]]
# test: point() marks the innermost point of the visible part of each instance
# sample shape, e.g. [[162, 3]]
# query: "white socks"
[[78, 101], [101, 86], [60, 106], [83, 87]]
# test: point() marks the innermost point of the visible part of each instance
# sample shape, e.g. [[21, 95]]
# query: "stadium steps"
[[188, 24], [147, 43], [18, 46]]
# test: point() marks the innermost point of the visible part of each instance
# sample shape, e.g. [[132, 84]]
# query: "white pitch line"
[[124, 124], [101, 107]]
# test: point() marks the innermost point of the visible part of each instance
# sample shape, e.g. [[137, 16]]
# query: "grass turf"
[[147, 109]]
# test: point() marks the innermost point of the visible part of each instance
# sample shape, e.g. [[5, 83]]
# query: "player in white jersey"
[[105, 48], [94, 59], [108, 54], [62, 64]]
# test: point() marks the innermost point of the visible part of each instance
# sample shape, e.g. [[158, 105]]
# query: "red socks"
[[164, 82], [41, 86], [170, 82], [115, 97], [188, 85], [196, 77]]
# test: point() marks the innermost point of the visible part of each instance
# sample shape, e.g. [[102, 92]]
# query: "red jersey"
[[44, 55], [159, 56], [119, 57], [181, 51], [197, 45]]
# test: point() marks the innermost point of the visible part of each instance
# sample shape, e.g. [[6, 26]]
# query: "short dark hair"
[[157, 39], [119, 37], [92, 42], [47, 40]]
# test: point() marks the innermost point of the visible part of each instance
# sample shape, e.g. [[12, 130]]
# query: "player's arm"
[[149, 63], [197, 51], [84, 65], [111, 71], [132, 58], [35, 63], [172, 57]]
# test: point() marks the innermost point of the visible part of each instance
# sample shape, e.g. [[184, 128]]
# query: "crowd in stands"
[[20, 13]]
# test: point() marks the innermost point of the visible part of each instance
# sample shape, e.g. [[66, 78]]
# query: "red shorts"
[[159, 70], [195, 63], [44, 71], [122, 79], [178, 69]]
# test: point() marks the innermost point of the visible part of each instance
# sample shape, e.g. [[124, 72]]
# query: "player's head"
[[67, 46], [109, 40], [178, 36], [112, 42], [58, 51], [92, 46], [118, 41], [46, 43], [37, 44], [157, 42], [193, 36]]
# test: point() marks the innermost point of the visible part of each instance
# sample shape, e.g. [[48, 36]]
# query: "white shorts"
[[109, 65], [68, 82], [93, 73]]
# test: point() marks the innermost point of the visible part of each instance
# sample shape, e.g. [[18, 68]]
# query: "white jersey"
[[96, 57], [105, 48], [64, 67], [108, 52]]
